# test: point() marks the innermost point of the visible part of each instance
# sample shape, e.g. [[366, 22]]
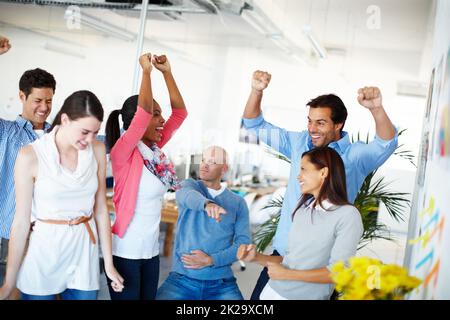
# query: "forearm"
[[253, 106], [263, 259], [104, 234], [145, 99], [190, 198], [16, 249], [176, 100], [321, 275], [384, 127]]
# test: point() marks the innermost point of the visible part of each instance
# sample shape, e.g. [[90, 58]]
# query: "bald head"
[[214, 163]]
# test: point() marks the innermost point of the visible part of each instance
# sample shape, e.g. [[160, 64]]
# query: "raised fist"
[[161, 63], [146, 62], [370, 97], [260, 80], [4, 45]]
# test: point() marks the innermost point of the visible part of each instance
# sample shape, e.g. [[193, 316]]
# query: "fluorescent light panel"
[[320, 51], [102, 26]]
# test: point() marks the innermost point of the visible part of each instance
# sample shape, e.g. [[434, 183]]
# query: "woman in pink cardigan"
[[142, 174]]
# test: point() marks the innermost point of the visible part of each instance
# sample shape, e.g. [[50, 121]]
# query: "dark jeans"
[[140, 276], [3, 256], [262, 280]]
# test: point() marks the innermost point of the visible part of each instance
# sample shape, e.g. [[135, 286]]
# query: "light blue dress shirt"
[[13, 136]]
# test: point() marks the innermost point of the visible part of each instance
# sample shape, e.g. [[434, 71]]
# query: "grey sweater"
[[318, 239]]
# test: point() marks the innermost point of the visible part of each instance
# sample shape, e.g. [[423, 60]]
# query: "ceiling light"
[[318, 49], [102, 26]]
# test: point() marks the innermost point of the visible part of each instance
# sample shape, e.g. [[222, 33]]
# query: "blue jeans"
[[140, 278], [181, 287], [68, 294]]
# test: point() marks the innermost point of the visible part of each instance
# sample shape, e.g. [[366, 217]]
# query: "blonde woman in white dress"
[[60, 183]]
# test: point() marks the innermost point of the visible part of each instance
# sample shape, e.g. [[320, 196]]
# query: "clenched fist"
[[146, 62], [161, 63], [260, 80], [369, 97], [4, 45]]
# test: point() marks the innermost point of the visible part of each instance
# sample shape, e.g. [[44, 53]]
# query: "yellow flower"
[[367, 279]]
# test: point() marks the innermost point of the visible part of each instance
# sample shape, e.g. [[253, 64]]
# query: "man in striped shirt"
[[36, 90]]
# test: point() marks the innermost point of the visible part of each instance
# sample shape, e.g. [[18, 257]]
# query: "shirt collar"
[[326, 205], [340, 146], [22, 122]]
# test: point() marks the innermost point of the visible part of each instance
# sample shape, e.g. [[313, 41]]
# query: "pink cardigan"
[[127, 163]]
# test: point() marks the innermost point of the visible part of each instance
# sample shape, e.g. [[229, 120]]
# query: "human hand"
[[4, 45], [370, 97], [214, 211], [5, 292], [246, 252], [145, 61], [161, 63], [196, 260], [260, 80], [116, 279], [276, 271]]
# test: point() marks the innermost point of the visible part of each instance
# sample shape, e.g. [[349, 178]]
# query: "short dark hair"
[[338, 109], [36, 78], [80, 104]]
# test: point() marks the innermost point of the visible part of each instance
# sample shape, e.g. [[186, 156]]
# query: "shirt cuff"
[[386, 142], [255, 122]]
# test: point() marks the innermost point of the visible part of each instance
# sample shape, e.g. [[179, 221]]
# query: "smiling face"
[[311, 178], [321, 127], [37, 106], [153, 133], [82, 131]]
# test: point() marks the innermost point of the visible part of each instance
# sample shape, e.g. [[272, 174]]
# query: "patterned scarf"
[[156, 161]]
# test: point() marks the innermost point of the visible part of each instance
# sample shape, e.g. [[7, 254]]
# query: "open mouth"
[[159, 131], [41, 114]]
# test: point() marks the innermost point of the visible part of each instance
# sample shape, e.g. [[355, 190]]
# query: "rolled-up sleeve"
[[373, 154]]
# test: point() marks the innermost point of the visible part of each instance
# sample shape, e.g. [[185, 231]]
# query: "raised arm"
[[370, 97], [145, 99], [260, 81], [179, 112], [126, 144], [24, 173], [162, 64]]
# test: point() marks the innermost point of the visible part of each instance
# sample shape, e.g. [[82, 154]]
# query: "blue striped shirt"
[[359, 160], [13, 136]]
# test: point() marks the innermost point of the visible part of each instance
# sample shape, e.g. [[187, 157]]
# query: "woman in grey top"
[[326, 228]]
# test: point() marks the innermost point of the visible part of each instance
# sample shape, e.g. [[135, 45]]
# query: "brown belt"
[[74, 222]]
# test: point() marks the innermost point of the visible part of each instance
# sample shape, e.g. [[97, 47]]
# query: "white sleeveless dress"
[[61, 257]]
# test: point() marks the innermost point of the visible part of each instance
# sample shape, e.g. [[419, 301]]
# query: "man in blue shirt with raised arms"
[[213, 222], [36, 89], [326, 119]]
